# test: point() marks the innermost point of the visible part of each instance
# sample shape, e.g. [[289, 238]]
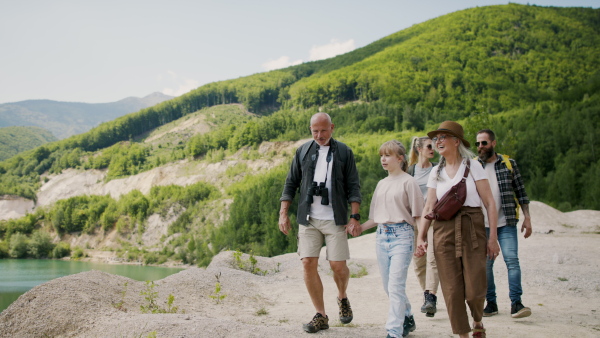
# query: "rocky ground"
[[560, 280]]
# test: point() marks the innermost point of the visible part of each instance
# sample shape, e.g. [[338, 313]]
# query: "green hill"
[[530, 73], [14, 140]]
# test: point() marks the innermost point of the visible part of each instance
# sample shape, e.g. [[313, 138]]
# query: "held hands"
[[353, 228], [421, 247]]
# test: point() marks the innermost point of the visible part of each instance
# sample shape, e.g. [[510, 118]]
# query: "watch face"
[[355, 216]]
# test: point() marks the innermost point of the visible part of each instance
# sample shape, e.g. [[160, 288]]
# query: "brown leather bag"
[[449, 205]]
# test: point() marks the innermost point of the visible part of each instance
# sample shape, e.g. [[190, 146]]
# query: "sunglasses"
[[482, 143], [429, 146]]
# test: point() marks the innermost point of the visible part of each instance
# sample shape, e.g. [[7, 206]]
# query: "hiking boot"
[[345, 311], [490, 309], [409, 325], [429, 305], [517, 310], [317, 323]]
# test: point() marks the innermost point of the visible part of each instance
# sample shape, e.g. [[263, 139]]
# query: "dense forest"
[[530, 73], [14, 140]]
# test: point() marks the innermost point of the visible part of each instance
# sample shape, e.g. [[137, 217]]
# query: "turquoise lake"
[[18, 276]]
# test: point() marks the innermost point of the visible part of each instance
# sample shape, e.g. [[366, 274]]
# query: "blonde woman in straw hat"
[[460, 244]]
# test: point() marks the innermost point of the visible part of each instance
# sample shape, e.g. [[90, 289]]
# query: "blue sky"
[[103, 51]]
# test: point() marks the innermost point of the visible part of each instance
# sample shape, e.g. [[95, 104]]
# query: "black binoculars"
[[318, 190]]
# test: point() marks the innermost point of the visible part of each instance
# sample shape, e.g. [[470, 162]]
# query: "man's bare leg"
[[313, 283], [341, 276]]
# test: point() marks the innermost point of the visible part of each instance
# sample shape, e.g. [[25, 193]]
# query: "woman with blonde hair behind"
[[460, 242], [395, 209], [419, 166]]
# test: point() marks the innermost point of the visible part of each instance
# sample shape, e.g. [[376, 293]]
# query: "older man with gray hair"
[[325, 171]]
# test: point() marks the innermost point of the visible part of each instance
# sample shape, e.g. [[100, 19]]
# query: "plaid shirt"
[[511, 187]]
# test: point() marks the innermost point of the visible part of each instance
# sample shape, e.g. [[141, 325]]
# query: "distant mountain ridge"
[[66, 119]]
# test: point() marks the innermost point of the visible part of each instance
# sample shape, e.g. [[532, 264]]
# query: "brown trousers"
[[460, 251]]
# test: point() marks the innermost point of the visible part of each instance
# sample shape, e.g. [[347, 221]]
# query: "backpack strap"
[[506, 161], [508, 164], [467, 169], [342, 151], [304, 149]]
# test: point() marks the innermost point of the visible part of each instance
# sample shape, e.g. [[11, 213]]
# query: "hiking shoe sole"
[[429, 314], [525, 312], [490, 314]]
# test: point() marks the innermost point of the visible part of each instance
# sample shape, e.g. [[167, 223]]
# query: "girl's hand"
[[493, 249], [421, 248]]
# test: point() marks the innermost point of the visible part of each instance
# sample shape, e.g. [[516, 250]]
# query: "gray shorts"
[[310, 240]]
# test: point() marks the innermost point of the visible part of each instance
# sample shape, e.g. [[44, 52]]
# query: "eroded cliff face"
[[77, 182], [14, 206]]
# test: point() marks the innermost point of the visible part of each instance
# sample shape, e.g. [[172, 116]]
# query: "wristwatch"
[[355, 216]]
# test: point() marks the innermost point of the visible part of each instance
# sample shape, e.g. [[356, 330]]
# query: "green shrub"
[[40, 244], [78, 253], [61, 250], [122, 225], [4, 249], [151, 258], [131, 256], [18, 245]]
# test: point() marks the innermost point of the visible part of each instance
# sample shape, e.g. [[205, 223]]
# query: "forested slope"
[[530, 73], [14, 140]]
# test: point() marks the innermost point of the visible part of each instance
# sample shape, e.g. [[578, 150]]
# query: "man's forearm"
[[525, 208], [285, 206], [355, 207]]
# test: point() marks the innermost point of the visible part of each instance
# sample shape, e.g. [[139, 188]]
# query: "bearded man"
[[508, 190]]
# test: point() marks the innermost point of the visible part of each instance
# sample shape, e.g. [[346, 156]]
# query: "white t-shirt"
[[491, 172], [396, 199], [318, 211], [476, 173], [422, 176]]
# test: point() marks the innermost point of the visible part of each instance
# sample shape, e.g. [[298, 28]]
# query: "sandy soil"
[[560, 280]]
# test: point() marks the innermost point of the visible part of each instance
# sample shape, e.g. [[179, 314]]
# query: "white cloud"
[[282, 62], [335, 47], [177, 85]]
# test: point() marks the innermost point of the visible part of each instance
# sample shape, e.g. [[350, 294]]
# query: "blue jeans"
[[394, 252], [509, 244]]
